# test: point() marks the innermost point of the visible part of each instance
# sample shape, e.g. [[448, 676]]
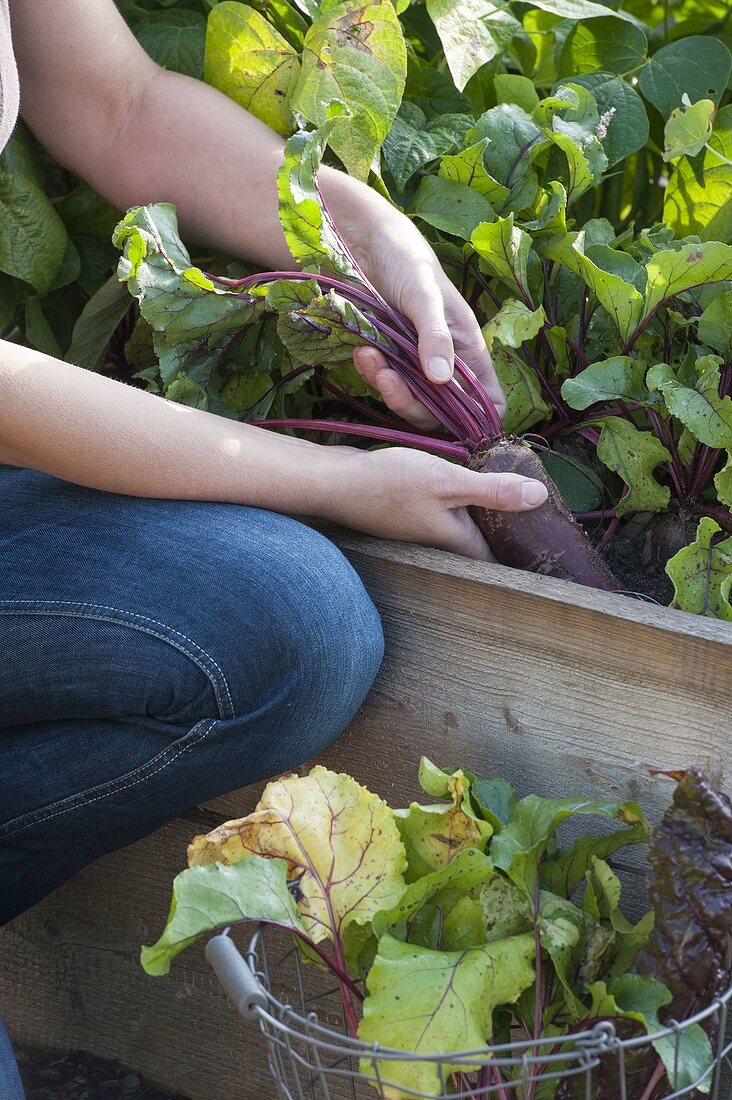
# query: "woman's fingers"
[[425, 307], [373, 367], [497, 492], [470, 344]]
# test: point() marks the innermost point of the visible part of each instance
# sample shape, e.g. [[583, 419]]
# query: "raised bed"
[[558, 688]]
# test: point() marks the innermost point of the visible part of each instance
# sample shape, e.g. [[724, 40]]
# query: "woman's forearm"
[[96, 432]]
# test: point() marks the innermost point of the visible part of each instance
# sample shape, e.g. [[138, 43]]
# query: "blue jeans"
[[155, 654]]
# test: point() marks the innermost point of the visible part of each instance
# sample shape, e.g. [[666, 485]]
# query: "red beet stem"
[[546, 540]]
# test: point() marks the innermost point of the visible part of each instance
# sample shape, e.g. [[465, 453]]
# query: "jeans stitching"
[[193, 737], [34, 607]]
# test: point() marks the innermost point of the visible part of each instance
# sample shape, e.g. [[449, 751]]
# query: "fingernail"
[[533, 493], [385, 383], [439, 369]]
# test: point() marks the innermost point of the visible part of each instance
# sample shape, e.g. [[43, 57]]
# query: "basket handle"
[[236, 976]]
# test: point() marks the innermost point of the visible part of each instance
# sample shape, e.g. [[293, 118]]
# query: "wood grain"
[[559, 688]]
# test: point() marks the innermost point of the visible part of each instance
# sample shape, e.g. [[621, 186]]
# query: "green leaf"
[[413, 141], [639, 998], [723, 482], [472, 33], [519, 848], [574, 942], [579, 486], [434, 835], [602, 45], [627, 128], [579, 9], [513, 324], [715, 325], [514, 139], [619, 297], [311, 235], [84, 211], [707, 415], [569, 866], [325, 331], [97, 323], [698, 66], [688, 128], [33, 239], [634, 455], [174, 39], [467, 872], [205, 898], [674, 271], [525, 405], [504, 251], [702, 573], [339, 840], [248, 60], [698, 198], [426, 1001], [619, 378], [506, 910], [354, 54], [493, 799], [468, 168], [451, 207], [511, 88], [38, 332], [193, 321]]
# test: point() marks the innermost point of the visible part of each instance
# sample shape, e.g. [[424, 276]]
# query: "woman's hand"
[[397, 493], [403, 267]]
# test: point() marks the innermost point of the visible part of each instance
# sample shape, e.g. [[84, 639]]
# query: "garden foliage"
[[464, 920], [571, 164]]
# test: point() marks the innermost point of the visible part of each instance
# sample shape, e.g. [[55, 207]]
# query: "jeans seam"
[[57, 607], [114, 786]]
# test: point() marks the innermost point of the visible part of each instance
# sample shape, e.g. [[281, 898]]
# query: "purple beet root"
[[546, 540]]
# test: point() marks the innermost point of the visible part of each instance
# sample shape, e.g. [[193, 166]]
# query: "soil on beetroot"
[[79, 1076]]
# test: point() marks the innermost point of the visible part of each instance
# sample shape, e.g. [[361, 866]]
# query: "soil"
[[637, 553], [79, 1076]]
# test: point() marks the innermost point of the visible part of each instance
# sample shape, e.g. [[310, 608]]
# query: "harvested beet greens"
[[322, 312], [472, 897]]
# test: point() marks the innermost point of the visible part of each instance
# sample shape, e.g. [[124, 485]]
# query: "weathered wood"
[[556, 687]]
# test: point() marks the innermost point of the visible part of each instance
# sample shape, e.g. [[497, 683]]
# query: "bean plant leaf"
[[174, 39], [697, 66], [413, 141], [309, 230], [33, 239], [205, 898], [519, 848], [701, 573], [672, 272], [698, 198], [354, 54], [602, 45], [425, 1001], [699, 407], [511, 88], [625, 128], [640, 998], [472, 33], [617, 379], [250, 61], [97, 323], [634, 455], [340, 842], [688, 129], [452, 207]]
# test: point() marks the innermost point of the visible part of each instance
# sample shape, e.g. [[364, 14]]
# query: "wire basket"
[[312, 1057]]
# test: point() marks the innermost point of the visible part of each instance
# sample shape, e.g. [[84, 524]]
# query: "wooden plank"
[[556, 687]]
